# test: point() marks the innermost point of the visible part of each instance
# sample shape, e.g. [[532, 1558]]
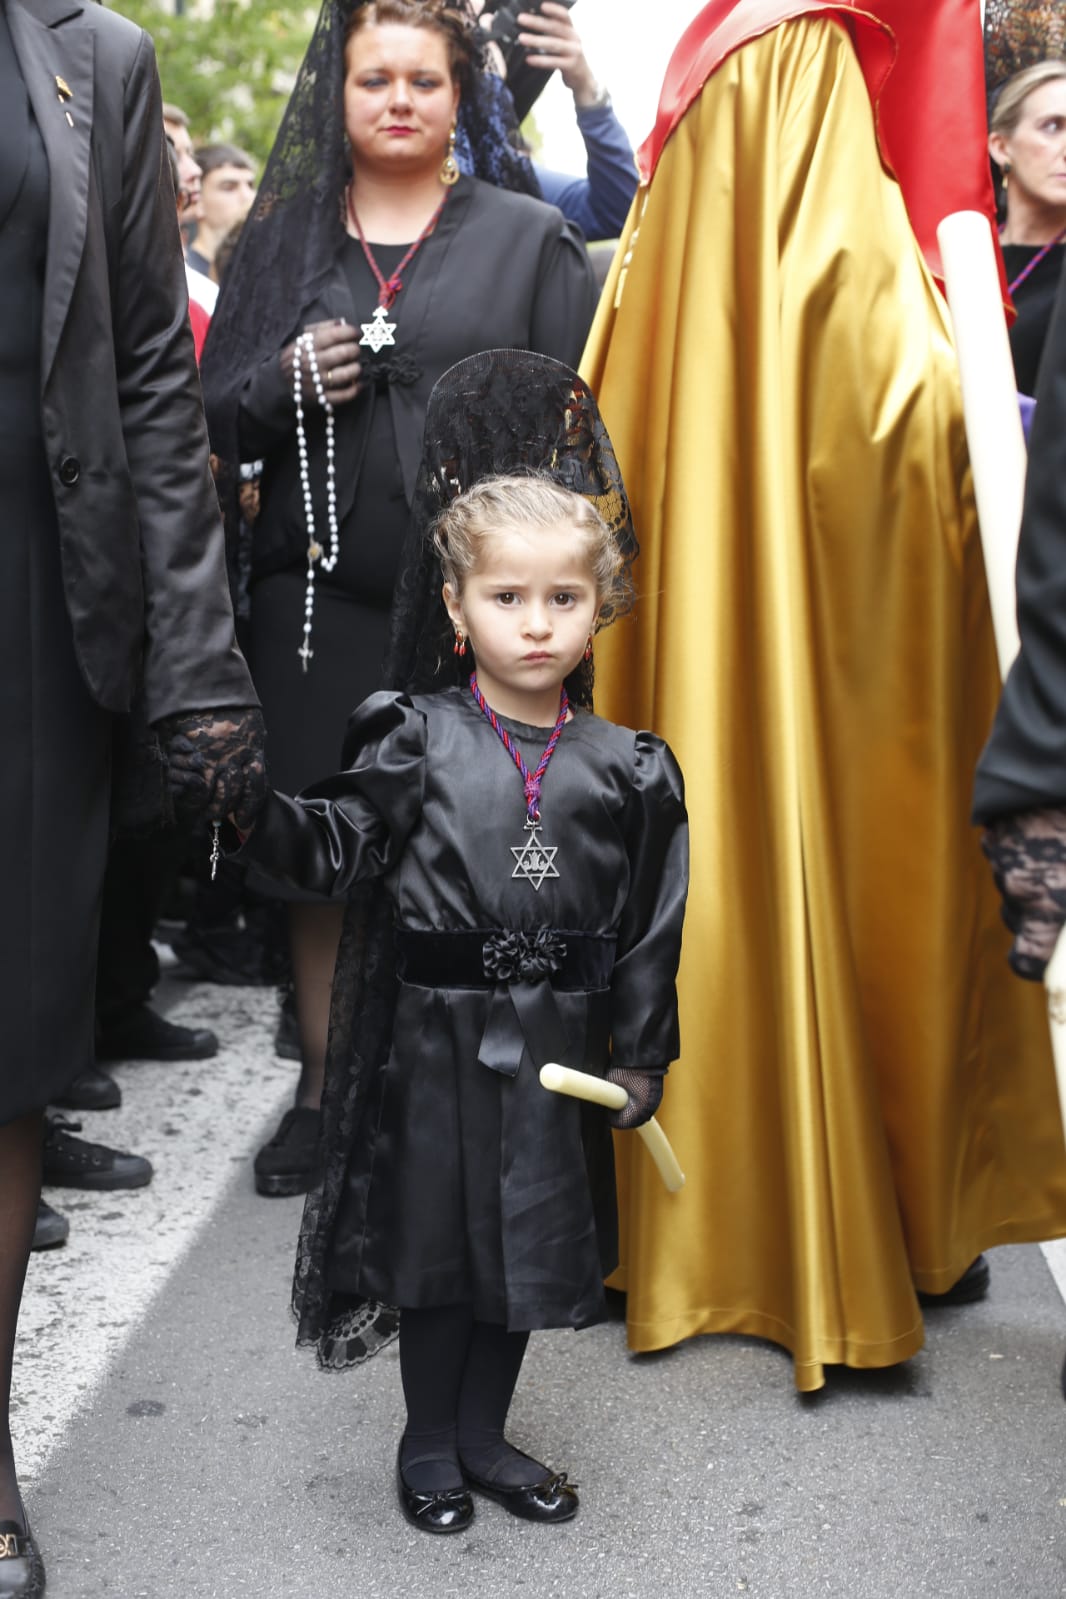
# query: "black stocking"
[[20, 1189], [492, 1367], [433, 1354], [314, 936]]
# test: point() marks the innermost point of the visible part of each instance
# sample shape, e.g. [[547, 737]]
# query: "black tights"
[[459, 1376], [20, 1189]]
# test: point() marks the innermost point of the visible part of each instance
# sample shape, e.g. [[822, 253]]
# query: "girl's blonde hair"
[[517, 504], [1010, 102]]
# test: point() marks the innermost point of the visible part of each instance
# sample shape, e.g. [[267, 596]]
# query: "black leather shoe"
[[92, 1089], [50, 1229], [554, 1499], [970, 1287], [288, 1162], [145, 1035], [21, 1566], [75, 1163], [450, 1510]]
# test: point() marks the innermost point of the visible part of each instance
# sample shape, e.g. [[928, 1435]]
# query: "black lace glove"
[[1028, 856], [217, 763], [645, 1090]]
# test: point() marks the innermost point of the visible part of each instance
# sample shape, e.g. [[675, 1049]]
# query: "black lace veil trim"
[[290, 240], [499, 412]]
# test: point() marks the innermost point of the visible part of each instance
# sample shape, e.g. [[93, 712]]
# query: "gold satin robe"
[[865, 1098]]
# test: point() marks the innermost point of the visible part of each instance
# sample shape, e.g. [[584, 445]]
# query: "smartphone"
[[505, 28]]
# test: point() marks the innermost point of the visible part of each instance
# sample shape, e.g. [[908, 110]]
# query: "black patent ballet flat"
[[554, 1499], [21, 1566], [448, 1510]]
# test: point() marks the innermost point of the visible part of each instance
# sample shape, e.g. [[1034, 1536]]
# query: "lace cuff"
[[217, 763], [645, 1090], [1027, 853]]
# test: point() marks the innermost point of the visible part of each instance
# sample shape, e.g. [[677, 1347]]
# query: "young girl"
[[536, 862]]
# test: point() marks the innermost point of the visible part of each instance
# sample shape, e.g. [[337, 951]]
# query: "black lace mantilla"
[[503, 411]]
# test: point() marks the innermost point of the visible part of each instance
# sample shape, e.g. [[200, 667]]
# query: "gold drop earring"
[[449, 171]]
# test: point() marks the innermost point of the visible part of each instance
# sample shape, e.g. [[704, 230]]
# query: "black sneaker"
[[51, 1229], [145, 1035], [92, 1089], [288, 1162], [75, 1163]]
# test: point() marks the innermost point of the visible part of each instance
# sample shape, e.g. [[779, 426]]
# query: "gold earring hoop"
[[449, 171]]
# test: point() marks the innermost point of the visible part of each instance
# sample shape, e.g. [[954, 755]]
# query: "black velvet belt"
[[523, 970]]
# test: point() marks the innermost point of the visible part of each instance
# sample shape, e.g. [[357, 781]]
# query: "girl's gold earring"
[[459, 647], [588, 648], [449, 172], [1006, 175]]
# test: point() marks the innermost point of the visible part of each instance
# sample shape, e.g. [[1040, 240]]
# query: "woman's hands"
[[217, 764], [337, 354], [1028, 857]]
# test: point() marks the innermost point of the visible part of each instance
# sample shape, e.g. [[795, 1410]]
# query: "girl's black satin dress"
[[467, 1181], [54, 740]]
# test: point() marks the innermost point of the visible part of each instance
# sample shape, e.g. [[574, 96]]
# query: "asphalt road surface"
[[174, 1445]]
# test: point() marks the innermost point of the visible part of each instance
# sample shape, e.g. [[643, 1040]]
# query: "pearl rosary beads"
[[305, 347]]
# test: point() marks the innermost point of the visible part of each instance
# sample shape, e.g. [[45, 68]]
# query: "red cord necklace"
[[378, 332], [534, 860]]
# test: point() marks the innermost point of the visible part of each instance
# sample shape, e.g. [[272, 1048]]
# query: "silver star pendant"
[[533, 860], [378, 333]]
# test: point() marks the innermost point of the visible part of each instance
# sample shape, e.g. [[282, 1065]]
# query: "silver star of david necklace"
[[379, 331], [534, 860]]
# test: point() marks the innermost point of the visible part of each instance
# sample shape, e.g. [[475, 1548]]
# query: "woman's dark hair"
[[455, 23]]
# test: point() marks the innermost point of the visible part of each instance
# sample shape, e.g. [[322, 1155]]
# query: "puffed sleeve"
[[644, 1029], [353, 826]]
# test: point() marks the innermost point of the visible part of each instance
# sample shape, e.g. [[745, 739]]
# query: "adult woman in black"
[[1027, 141], [111, 563], [362, 275]]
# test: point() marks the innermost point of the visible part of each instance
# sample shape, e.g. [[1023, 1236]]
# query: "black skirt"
[[54, 804]]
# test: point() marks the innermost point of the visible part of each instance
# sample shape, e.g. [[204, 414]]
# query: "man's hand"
[[550, 40]]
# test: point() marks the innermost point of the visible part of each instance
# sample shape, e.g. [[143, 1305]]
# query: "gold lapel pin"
[[65, 93]]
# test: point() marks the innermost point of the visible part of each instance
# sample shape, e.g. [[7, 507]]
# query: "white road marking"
[[1055, 1255], [199, 1123]]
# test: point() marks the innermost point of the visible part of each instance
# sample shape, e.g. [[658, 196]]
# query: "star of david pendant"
[[378, 333], [534, 860]]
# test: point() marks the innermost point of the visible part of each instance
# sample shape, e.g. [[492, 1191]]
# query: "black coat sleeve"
[[565, 299], [1023, 766], [191, 657]]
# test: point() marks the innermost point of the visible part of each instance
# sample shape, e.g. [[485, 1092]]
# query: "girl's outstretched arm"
[[353, 826]]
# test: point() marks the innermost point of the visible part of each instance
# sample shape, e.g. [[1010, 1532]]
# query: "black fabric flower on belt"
[[402, 369], [522, 957]]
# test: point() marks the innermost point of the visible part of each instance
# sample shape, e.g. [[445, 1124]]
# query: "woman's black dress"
[[306, 714], [55, 739], [1034, 301]]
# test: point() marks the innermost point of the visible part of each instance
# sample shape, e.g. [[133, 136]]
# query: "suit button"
[[69, 470]]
